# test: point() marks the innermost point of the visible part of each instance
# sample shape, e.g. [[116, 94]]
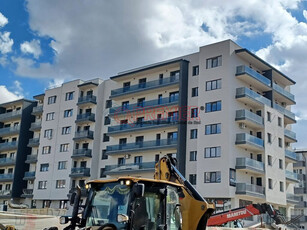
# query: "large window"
[[195, 92], [213, 106], [68, 113], [51, 100], [213, 85], [213, 62], [48, 133], [69, 96], [192, 179], [138, 160], [50, 116], [66, 130], [64, 147], [213, 129], [270, 182], [195, 71], [232, 177], [42, 184], [60, 184], [212, 152], [46, 150], [62, 165], [194, 112], [44, 167], [193, 134], [213, 177], [193, 156]]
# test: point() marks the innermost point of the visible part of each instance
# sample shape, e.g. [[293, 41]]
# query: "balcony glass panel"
[[249, 163], [245, 92], [290, 154], [30, 174], [8, 130], [291, 175], [247, 138], [290, 134], [246, 114], [243, 188], [292, 197], [82, 152], [9, 145], [9, 115], [6, 176], [87, 98], [84, 134], [283, 92], [86, 116], [38, 109], [246, 70], [284, 111], [7, 161], [80, 171]]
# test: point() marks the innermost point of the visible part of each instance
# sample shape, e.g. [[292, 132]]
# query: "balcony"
[[31, 159], [8, 131], [4, 117], [80, 172], [290, 155], [249, 118], [142, 146], [8, 146], [29, 176], [283, 95], [139, 126], [299, 164], [85, 118], [252, 77], [7, 161], [250, 190], [289, 116], [84, 135], [290, 136], [294, 199], [247, 96], [146, 105], [130, 168], [151, 85], [291, 176], [27, 193], [300, 191], [301, 205], [248, 141], [5, 194], [37, 110], [89, 99], [82, 153], [250, 165], [36, 126], [33, 142], [6, 177]]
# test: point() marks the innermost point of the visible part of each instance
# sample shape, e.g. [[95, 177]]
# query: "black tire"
[[107, 227]]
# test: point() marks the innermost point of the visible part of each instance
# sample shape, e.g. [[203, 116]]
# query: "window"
[[281, 186], [62, 165], [69, 96], [269, 138], [105, 138], [60, 184], [102, 171], [193, 155], [50, 116], [269, 116], [192, 179], [270, 183], [125, 105], [104, 155], [213, 62], [212, 177], [51, 100], [121, 161], [138, 160], [108, 104], [64, 147], [141, 102], [44, 167], [280, 142], [48, 133], [194, 112], [46, 150], [279, 122], [213, 85], [195, 71], [232, 177], [142, 83], [68, 113], [42, 184], [107, 120], [213, 129], [193, 134], [195, 92], [269, 160], [280, 164], [66, 130], [212, 152], [213, 106]]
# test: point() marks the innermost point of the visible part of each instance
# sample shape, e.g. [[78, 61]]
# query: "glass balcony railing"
[[283, 92], [31, 159], [145, 105], [284, 111], [81, 153], [290, 134], [145, 86], [293, 198], [246, 92], [33, 142], [242, 163], [291, 176], [6, 177], [84, 134], [7, 161], [290, 154], [244, 114], [300, 190], [87, 99], [254, 74], [245, 138], [37, 110], [129, 167], [143, 125], [9, 145], [80, 172], [10, 115], [36, 125], [29, 175], [5, 193], [10, 130], [85, 117], [141, 146], [250, 189]]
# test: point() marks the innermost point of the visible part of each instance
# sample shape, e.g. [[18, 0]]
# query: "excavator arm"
[[195, 209]]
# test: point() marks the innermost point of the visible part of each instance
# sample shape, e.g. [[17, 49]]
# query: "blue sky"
[[44, 43]]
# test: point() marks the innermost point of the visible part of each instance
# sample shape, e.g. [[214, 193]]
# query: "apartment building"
[[300, 189], [223, 112], [15, 121]]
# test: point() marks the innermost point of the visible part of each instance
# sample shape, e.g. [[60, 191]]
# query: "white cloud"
[[32, 47], [7, 95], [305, 14], [3, 20], [55, 83], [6, 42]]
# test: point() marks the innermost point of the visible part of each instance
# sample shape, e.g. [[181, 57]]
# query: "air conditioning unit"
[[127, 156], [242, 125]]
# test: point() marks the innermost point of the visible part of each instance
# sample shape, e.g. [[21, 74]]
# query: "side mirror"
[[64, 220], [122, 218], [138, 190]]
